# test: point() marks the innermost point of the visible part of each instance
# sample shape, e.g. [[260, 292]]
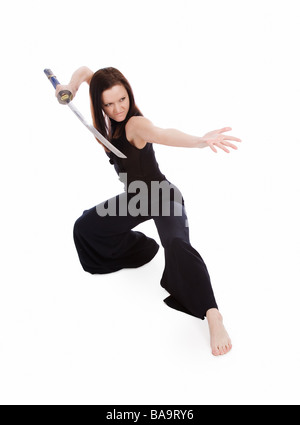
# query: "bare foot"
[[219, 338]]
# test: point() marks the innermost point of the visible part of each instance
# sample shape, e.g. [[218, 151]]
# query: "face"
[[116, 103]]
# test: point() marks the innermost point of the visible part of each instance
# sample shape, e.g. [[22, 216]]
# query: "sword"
[[65, 98]]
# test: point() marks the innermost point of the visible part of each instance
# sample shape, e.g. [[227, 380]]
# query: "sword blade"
[[95, 132]]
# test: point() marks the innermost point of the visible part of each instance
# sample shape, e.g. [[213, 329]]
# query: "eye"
[[107, 105], [122, 100]]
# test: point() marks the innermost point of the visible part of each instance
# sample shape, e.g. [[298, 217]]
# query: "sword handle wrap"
[[64, 96]]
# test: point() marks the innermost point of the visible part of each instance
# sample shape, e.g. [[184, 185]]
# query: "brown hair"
[[102, 80]]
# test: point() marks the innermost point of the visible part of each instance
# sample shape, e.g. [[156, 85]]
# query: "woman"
[[103, 235]]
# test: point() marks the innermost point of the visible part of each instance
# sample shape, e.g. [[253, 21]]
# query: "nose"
[[117, 109]]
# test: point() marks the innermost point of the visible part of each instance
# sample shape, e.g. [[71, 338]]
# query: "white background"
[[67, 337]]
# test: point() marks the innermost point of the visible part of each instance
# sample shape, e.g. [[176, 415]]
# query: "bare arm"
[[81, 75], [141, 131]]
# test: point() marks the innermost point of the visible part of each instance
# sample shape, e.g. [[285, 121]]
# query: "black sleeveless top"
[[140, 164]]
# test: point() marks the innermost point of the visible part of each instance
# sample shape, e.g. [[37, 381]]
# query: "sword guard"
[[64, 97]]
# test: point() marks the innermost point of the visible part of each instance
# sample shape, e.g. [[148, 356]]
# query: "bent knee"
[[84, 223]]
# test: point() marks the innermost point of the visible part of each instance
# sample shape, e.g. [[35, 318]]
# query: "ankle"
[[213, 314]]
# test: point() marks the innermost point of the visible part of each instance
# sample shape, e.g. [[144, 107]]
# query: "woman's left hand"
[[215, 139]]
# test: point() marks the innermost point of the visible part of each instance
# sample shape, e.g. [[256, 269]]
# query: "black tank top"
[[140, 164]]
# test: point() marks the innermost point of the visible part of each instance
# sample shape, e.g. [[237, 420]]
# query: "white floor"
[[68, 337]]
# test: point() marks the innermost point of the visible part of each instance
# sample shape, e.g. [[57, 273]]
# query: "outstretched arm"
[[140, 131], [81, 75]]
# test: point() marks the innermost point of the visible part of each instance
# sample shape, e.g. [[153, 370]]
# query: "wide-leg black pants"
[[106, 244]]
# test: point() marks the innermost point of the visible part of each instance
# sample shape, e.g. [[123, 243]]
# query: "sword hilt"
[[64, 96]]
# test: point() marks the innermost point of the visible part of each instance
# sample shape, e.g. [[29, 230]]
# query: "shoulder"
[[135, 129], [136, 123]]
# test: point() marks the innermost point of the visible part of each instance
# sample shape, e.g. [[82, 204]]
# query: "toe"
[[216, 351], [222, 350], [227, 348]]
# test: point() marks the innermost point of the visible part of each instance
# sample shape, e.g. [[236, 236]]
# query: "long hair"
[[102, 80]]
